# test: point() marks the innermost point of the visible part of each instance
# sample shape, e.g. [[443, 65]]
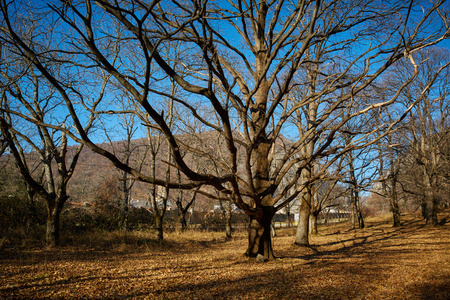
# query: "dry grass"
[[379, 262]]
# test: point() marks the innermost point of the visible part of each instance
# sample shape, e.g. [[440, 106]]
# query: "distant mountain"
[[95, 174]]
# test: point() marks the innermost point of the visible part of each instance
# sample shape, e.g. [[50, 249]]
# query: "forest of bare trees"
[[261, 107]]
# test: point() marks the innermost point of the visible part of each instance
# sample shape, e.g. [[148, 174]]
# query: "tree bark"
[[226, 211], [182, 220], [228, 227], [430, 212], [126, 213], [126, 197], [302, 235], [360, 218], [159, 228], [259, 237], [313, 223], [395, 212], [357, 217], [396, 218], [430, 209], [52, 234]]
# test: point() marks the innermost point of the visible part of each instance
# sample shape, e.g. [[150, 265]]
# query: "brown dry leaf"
[[379, 262]]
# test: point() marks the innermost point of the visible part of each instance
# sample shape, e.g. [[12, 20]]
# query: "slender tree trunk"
[[126, 213], [353, 218], [273, 232], [228, 225], [159, 228], [259, 237], [313, 223], [288, 217], [159, 215], [361, 220], [357, 217], [31, 203], [396, 217], [126, 199], [395, 210], [226, 209], [302, 235], [182, 220], [392, 197], [182, 211], [361, 224]]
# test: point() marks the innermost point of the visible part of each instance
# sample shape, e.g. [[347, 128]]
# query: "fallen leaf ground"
[[378, 262]]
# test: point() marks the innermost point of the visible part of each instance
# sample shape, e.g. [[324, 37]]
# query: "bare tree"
[[243, 59], [158, 195], [354, 191], [426, 131], [389, 182], [327, 193], [132, 152], [387, 185], [184, 205], [27, 102]]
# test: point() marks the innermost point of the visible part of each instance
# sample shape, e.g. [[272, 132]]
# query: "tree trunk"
[[302, 235], [313, 223], [126, 226], [182, 211], [52, 235], [228, 227], [31, 204], [430, 209], [159, 228], [288, 218], [226, 210], [259, 237], [396, 218], [423, 207], [126, 212], [395, 213], [353, 218], [182, 220], [360, 220], [126, 199], [358, 210], [273, 232], [429, 202], [357, 217]]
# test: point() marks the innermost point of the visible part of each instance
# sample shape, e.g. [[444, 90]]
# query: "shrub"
[[22, 222]]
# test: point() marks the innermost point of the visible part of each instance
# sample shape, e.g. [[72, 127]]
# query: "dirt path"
[[379, 262]]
